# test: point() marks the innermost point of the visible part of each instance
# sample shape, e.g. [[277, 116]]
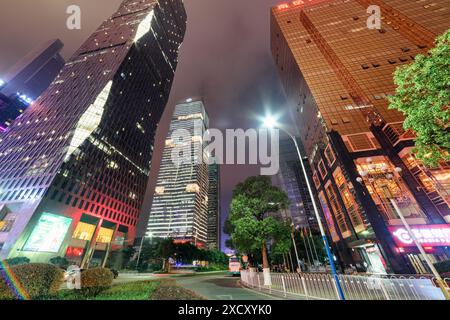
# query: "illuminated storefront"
[[384, 183]]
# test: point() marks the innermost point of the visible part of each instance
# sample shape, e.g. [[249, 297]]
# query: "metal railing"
[[355, 287]]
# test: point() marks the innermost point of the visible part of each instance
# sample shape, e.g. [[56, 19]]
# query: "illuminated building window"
[[338, 211], [113, 165], [349, 201], [322, 169], [328, 217], [84, 231], [329, 154], [435, 182], [105, 235], [170, 143], [160, 190], [193, 187], [384, 184], [316, 180]]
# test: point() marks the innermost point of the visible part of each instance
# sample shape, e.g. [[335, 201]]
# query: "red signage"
[[74, 252], [437, 235]]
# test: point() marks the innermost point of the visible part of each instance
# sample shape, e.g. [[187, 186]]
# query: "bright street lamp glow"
[[270, 122]]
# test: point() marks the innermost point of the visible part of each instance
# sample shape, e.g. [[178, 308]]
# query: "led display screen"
[[48, 234], [427, 235]]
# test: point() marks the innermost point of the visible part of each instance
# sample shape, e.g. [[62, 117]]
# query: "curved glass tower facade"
[[74, 167]]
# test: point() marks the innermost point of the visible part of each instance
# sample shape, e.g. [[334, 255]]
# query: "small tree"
[[164, 250], [423, 96], [252, 202], [121, 259]]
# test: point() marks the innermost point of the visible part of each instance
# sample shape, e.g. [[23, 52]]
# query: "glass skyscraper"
[[180, 202], [28, 79], [293, 182], [338, 74], [74, 168], [213, 240]]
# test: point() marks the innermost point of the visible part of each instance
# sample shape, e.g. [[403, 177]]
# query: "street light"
[[271, 122]]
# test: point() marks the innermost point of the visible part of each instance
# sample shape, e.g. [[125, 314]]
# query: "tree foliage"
[[156, 252], [252, 226], [423, 96]]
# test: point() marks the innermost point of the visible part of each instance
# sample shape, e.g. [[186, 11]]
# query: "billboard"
[[437, 235], [48, 234]]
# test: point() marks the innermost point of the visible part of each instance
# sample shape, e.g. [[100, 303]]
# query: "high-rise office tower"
[[213, 239], [74, 168], [337, 74], [180, 202], [293, 182], [28, 79]]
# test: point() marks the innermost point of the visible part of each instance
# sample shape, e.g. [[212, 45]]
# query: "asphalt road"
[[212, 286], [220, 286]]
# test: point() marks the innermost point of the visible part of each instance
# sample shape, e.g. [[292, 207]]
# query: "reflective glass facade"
[[84, 148], [337, 74], [180, 202]]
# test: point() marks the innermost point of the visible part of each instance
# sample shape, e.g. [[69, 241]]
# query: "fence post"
[[259, 282], [336, 288], [304, 287], [385, 293], [284, 285]]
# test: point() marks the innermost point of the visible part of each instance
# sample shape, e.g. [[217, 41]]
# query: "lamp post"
[[140, 250], [271, 123]]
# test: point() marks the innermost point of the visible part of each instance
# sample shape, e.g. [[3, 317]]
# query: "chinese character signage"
[[428, 235]]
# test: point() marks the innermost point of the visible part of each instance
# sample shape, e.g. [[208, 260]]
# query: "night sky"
[[225, 59]]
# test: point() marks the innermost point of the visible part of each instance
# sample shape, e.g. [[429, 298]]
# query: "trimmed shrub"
[[95, 280], [17, 261], [59, 262], [5, 291], [38, 280]]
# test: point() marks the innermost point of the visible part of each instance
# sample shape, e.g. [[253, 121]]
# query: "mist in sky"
[[225, 59]]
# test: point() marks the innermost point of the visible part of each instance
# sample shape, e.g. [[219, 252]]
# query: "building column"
[[91, 246]]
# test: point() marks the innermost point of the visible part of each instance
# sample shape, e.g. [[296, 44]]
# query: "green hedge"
[[95, 280], [36, 280], [5, 291], [17, 261]]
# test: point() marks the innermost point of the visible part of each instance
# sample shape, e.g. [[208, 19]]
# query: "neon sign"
[[427, 235]]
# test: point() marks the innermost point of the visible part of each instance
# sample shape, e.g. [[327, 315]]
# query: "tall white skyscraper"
[[180, 202]]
